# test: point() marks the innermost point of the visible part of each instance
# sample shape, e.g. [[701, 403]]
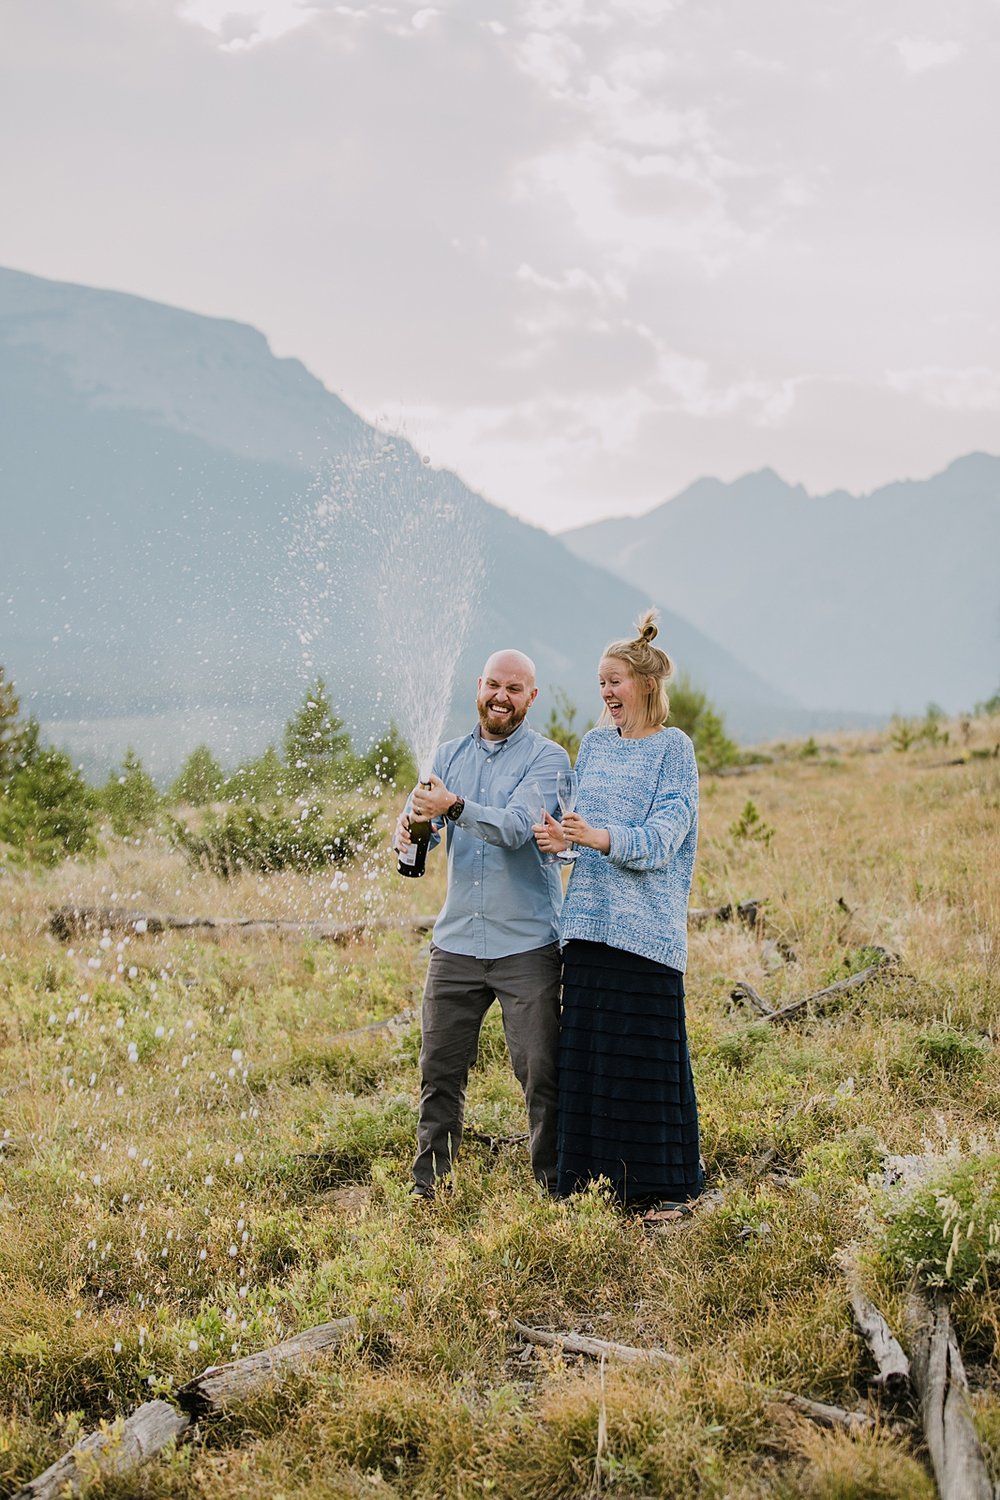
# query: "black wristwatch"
[[455, 810]]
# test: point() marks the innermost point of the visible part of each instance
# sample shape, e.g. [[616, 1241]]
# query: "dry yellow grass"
[[194, 1164]]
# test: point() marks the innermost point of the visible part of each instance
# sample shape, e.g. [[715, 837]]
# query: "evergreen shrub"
[[129, 797], [251, 838], [46, 807]]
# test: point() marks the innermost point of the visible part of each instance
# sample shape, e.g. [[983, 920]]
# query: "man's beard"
[[502, 727]]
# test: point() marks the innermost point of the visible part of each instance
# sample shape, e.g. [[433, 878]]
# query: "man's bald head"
[[504, 693], [513, 663]]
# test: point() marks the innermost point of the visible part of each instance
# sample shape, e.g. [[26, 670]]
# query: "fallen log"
[[745, 991], [120, 1447], [893, 1365], [748, 912], [578, 1343], [575, 1343], [887, 1352], [939, 1376], [116, 1449], [822, 1413], [69, 921], [222, 1386], [817, 1002]]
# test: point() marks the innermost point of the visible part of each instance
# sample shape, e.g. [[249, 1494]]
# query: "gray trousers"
[[458, 993]]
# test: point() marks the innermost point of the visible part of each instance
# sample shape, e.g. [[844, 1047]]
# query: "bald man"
[[496, 937]]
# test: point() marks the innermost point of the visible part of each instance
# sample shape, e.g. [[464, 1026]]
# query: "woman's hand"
[[579, 831], [549, 836]]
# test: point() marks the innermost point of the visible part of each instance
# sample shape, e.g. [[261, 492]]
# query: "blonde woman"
[[627, 1106]]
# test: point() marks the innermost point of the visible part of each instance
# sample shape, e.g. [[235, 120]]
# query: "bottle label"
[[408, 856]]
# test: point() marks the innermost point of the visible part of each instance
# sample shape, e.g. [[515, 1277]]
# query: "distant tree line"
[[48, 811]]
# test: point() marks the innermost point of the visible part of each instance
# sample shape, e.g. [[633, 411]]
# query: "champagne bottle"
[[412, 861]]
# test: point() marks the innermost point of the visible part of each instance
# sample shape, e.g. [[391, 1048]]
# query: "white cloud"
[[920, 55], [255, 21], [599, 245], [630, 204], [975, 390], [549, 59]]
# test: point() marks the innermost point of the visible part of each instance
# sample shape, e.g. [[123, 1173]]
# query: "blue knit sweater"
[[645, 793]]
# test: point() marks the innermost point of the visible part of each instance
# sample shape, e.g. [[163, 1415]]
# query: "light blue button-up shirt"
[[501, 898]]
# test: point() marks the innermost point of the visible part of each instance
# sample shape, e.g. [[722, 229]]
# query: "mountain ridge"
[[886, 600], [154, 464]]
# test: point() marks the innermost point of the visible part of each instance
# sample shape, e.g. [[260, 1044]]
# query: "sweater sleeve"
[[653, 843]]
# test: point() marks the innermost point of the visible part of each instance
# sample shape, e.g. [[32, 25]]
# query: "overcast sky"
[[587, 250]]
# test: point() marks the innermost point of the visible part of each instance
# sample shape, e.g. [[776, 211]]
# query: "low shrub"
[[250, 838], [947, 1231]]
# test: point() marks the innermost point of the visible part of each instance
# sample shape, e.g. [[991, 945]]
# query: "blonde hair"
[[651, 668]]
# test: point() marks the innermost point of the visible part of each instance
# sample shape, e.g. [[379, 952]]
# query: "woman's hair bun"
[[646, 626]]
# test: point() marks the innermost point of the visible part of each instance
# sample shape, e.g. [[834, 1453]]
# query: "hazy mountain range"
[[173, 567], [886, 601]]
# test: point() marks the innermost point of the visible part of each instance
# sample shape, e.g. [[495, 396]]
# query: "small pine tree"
[[257, 780], [46, 807], [129, 797], [559, 726], [10, 729], [750, 826], [389, 761], [314, 741], [691, 711], [199, 780]]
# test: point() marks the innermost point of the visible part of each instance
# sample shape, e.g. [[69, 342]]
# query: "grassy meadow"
[[195, 1162]]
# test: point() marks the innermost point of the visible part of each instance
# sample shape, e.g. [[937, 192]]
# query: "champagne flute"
[[539, 807], [567, 788]]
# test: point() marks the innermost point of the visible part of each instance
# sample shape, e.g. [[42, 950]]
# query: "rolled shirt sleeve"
[[510, 827]]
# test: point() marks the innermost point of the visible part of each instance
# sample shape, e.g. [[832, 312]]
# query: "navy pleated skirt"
[[627, 1107]]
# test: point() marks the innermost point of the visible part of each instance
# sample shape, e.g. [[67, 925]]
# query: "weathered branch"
[[825, 1415], [117, 1448], [938, 1373], [577, 1343], [68, 921], [748, 912], [745, 991], [222, 1386], [750, 770], [494, 1142], [399, 1020], [887, 1352], [817, 1002]]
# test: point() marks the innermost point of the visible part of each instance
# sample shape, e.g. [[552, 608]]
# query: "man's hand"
[[432, 801], [549, 836], [401, 840]]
